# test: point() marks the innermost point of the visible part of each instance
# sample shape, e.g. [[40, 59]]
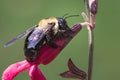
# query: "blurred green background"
[[18, 15]]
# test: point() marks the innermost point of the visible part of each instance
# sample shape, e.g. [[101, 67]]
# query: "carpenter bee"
[[45, 32]]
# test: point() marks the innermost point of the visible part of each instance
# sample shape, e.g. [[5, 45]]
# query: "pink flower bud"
[[93, 4]]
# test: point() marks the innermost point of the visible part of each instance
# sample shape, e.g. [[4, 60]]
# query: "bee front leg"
[[62, 34]]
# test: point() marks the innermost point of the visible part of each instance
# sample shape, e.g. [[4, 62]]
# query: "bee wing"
[[38, 35], [20, 36]]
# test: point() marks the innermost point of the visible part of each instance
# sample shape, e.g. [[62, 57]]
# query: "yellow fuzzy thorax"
[[45, 22]]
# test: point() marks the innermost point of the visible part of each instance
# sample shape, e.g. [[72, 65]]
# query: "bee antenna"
[[75, 15], [65, 15]]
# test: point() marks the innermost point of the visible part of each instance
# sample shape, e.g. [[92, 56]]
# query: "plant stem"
[[92, 13], [91, 50]]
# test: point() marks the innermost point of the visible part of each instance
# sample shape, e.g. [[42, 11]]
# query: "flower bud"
[[93, 4]]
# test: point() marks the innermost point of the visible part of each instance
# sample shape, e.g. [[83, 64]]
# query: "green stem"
[[91, 50]]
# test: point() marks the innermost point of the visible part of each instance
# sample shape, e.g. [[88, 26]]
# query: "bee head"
[[63, 23]]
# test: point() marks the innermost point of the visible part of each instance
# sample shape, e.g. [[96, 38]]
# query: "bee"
[[45, 32]]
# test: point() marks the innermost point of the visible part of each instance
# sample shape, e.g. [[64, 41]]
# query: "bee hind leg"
[[51, 42]]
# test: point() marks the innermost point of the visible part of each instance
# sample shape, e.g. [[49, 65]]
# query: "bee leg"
[[61, 34], [50, 42], [31, 54]]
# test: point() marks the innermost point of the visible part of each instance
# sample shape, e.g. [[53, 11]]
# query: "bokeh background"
[[18, 15]]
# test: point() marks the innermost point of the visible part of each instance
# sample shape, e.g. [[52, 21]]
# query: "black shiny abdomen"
[[32, 49]]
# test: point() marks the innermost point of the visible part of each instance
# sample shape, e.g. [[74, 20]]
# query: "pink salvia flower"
[[47, 54]]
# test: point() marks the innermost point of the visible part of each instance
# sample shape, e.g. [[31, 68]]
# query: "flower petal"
[[35, 73], [14, 69], [74, 72]]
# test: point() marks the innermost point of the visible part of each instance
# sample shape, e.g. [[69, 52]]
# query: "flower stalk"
[[92, 10]]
